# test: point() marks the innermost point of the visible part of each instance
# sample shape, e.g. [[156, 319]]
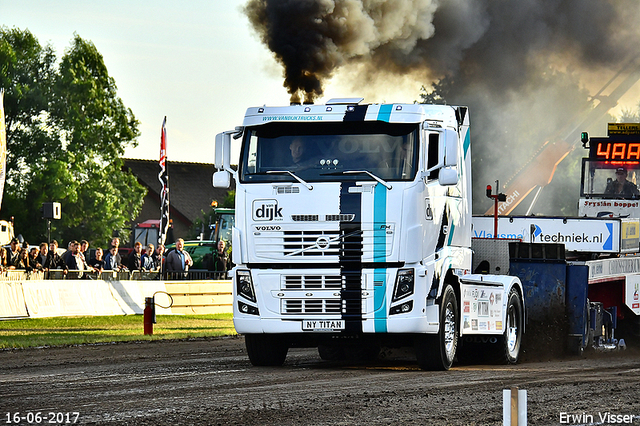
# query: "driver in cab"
[[621, 187], [301, 158]]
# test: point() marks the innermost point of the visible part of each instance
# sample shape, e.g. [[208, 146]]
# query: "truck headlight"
[[247, 309], [404, 284], [403, 308], [244, 285]]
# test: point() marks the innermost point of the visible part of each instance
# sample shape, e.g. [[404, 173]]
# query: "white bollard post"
[[514, 407]]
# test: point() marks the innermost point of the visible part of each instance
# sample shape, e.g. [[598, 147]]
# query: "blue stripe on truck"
[[384, 114], [380, 255]]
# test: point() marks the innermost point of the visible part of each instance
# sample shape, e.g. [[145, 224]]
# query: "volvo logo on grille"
[[322, 243], [268, 228]]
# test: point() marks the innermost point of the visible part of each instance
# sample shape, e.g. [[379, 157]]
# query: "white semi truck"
[[353, 231]]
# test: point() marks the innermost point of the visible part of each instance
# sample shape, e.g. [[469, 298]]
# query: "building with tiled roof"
[[190, 192]]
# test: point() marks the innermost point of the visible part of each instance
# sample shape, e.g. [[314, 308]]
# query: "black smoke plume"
[[500, 42], [516, 63]]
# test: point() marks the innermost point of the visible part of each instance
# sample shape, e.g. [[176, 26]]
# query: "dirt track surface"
[[210, 382]]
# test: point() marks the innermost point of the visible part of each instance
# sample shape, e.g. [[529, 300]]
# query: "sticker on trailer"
[[603, 269], [582, 235], [608, 208], [632, 293], [482, 309]]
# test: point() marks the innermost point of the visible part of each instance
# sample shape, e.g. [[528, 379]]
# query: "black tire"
[[509, 344], [360, 353], [578, 345], [331, 353], [266, 349], [367, 352], [437, 351]]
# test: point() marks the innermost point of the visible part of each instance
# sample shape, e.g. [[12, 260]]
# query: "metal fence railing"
[[59, 274]]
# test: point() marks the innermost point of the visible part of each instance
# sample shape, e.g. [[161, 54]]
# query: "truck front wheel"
[[266, 349], [436, 352], [510, 342], [331, 353]]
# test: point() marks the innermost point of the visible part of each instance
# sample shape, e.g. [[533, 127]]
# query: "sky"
[[196, 62]]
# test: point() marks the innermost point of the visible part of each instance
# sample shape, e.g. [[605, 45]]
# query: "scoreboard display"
[[623, 144], [614, 149]]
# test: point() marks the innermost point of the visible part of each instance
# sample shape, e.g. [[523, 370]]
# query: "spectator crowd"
[[77, 258]]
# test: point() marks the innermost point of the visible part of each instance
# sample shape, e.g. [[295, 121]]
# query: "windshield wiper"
[[293, 175], [361, 172]]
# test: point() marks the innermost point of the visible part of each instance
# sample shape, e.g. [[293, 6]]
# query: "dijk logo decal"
[[266, 210]]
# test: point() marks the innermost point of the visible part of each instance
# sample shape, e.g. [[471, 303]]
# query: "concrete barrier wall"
[[200, 297], [12, 303], [53, 298]]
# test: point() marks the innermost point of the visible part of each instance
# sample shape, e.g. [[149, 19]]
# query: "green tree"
[[66, 133], [629, 115]]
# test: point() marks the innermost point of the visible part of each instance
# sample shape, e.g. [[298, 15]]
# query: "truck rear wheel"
[[436, 352], [510, 342], [266, 349]]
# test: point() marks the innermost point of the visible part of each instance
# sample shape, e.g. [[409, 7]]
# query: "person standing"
[[158, 256], [135, 258], [34, 259], [179, 260], [115, 241], [76, 261], [84, 250], [147, 259], [3, 259], [54, 260], [67, 254], [112, 259], [97, 263], [23, 261], [44, 251], [13, 255], [220, 260]]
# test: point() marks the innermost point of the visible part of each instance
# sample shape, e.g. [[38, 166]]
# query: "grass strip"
[[61, 331]]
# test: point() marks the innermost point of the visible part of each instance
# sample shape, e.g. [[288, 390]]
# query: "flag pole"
[[3, 147], [163, 177]]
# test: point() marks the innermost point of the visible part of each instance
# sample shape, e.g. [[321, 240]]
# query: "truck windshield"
[[611, 180], [322, 152]]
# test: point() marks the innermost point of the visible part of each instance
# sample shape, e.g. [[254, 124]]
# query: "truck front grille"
[[304, 217], [308, 282], [311, 243], [327, 245], [310, 306]]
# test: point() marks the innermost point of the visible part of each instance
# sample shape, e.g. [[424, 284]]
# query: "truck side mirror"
[[221, 179], [450, 148], [448, 176], [442, 150], [222, 159]]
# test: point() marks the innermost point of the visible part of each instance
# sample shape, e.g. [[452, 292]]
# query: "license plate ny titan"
[[322, 325]]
